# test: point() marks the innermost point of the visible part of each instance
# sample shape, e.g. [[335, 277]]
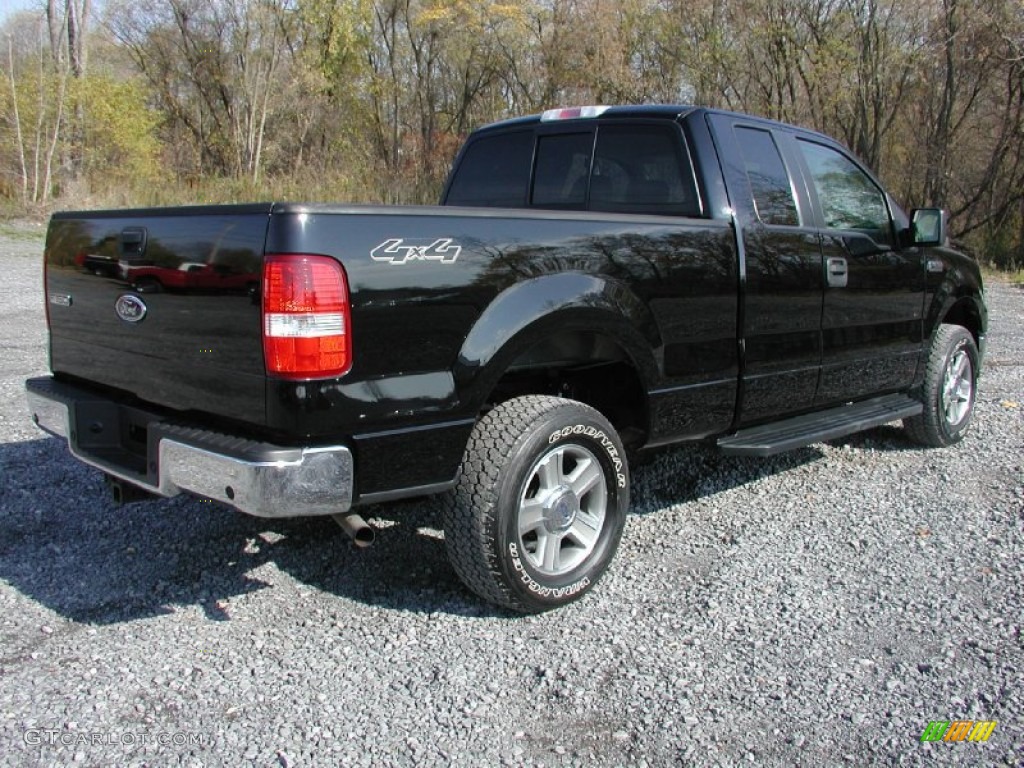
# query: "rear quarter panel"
[[441, 295]]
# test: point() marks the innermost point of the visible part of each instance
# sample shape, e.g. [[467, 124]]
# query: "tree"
[[214, 67], [37, 95]]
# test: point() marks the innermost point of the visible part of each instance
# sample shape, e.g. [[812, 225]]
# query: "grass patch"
[[1013, 277], [21, 230]]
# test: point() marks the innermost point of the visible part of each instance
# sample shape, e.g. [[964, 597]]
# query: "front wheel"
[[539, 503], [950, 387]]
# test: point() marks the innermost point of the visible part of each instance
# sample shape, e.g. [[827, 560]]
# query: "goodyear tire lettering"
[[600, 437], [538, 589]]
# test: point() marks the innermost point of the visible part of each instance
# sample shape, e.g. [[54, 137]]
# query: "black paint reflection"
[[872, 328], [782, 323], [198, 346], [664, 291]]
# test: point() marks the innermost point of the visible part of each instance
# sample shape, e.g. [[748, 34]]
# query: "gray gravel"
[[816, 609]]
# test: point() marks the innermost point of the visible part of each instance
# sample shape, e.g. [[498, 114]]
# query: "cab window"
[[769, 182], [849, 199], [642, 169], [494, 171], [563, 165]]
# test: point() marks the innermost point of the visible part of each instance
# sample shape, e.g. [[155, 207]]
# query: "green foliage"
[[338, 35], [120, 133], [34, 117]]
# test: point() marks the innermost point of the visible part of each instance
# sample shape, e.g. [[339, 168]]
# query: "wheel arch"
[[959, 299], [967, 312], [570, 335]]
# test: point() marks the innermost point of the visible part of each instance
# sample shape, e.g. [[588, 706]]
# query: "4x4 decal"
[[399, 251]]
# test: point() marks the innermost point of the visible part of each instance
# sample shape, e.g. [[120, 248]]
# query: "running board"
[[781, 436]]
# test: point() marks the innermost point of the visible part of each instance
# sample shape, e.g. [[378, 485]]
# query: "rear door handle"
[[133, 241], [837, 271]]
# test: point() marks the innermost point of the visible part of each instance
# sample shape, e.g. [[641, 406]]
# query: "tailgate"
[[162, 304]]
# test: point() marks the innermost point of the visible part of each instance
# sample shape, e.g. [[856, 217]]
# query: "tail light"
[[46, 288], [306, 319]]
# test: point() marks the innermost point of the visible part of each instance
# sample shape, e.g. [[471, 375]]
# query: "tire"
[[949, 390], [148, 285], [539, 503]]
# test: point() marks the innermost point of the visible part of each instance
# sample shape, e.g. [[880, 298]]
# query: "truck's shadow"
[[64, 544]]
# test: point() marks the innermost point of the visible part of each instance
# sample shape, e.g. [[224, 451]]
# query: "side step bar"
[[781, 436]]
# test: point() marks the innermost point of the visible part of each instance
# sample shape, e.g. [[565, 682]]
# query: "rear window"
[[494, 172], [642, 169], [563, 164]]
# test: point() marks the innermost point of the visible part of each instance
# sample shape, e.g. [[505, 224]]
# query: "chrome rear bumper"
[[260, 479]]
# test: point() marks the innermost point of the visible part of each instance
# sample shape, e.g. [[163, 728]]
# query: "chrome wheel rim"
[[562, 509], [957, 388]]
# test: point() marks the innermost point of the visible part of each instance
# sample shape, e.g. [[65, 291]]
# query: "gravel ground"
[[815, 609]]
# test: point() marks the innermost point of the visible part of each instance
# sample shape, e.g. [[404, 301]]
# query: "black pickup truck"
[[598, 281]]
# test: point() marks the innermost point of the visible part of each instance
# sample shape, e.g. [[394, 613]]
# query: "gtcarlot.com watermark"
[[55, 737]]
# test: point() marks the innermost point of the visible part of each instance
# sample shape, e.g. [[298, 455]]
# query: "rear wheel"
[[148, 285], [949, 390], [539, 504]]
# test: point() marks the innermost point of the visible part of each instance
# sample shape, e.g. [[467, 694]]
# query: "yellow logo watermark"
[[959, 730]]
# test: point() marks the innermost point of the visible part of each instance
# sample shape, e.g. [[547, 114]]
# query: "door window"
[[850, 200], [769, 182]]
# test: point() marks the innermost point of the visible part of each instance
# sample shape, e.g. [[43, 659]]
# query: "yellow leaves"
[[436, 15], [119, 127], [337, 35], [474, 17], [1010, 405]]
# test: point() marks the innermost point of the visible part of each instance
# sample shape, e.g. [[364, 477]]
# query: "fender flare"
[[960, 287], [527, 312]]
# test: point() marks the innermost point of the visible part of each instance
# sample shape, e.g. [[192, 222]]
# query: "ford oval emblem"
[[130, 308]]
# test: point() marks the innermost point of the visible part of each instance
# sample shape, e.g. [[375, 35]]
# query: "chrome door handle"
[[837, 272]]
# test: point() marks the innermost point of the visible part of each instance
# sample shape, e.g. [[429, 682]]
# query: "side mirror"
[[928, 226]]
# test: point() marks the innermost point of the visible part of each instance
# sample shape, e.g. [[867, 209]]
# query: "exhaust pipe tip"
[[364, 537], [357, 529]]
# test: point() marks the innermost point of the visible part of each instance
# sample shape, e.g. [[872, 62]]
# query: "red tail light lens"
[[46, 289], [306, 318]]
